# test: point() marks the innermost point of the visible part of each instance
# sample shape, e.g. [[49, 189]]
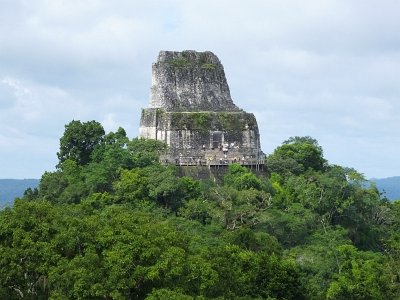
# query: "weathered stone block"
[[190, 81]]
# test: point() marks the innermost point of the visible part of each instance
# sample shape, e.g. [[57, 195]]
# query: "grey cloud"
[[329, 69]]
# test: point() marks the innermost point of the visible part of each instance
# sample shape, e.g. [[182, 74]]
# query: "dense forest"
[[112, 223]]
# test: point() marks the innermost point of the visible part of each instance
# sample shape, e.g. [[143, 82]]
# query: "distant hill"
[[12, 188], [390, 186]]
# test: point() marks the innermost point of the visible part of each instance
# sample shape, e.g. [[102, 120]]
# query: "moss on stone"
[[180, 63], [186, 59], [208, 66], [202, 120], [160, 112], [205, 121]]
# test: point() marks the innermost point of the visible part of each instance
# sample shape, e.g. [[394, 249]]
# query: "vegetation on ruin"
[[208, 66], [179, 63], [186, 61], [227, 121], [112, 223]]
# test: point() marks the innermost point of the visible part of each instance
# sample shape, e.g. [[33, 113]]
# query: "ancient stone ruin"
[[191, 109]]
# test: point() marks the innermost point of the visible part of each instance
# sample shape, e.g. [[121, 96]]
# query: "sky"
[[329, 69]]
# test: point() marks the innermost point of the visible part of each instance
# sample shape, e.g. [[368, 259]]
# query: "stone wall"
[[192, 111]]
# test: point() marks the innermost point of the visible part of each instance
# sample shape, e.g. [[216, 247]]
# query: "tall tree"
[[79, 141], [295, 155]]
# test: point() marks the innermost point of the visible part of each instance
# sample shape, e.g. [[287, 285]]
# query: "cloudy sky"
[[324, 68]]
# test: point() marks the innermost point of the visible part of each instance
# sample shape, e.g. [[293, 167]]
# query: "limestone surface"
[[191, 109], [190, 81]]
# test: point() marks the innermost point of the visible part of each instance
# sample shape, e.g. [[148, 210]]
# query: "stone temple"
[[191, 109]]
